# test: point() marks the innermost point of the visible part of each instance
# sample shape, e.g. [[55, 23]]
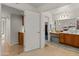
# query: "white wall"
[[42, 31], [16, 25]]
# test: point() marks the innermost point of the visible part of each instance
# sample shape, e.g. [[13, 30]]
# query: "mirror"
[[64, 25]]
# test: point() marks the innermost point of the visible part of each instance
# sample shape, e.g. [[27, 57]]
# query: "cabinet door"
[[69, 39], [62, 38], [76, 41]]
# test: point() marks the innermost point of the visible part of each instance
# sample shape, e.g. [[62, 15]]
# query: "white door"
[[32, 31]]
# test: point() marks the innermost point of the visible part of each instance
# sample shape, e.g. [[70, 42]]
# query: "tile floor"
[[51, 50]]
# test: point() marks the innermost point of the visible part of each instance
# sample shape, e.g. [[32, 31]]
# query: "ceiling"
[[37, 5], [47, 6]]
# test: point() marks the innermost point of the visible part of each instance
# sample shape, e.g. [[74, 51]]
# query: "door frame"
[[43, 17]]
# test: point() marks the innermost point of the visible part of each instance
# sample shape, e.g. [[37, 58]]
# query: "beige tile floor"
[[50, 50]]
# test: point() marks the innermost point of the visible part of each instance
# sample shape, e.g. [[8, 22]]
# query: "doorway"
[[46, 33], [46, 30]]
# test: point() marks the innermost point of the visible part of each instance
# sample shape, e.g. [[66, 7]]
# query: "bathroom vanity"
[[69, 39]]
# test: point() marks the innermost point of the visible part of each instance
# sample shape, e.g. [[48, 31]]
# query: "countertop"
[[75, 33]]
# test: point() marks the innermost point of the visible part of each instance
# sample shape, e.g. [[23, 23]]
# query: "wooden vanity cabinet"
[[21, 38], [69, 39]]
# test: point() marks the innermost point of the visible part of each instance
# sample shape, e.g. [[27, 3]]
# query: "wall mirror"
[[64, 25]]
